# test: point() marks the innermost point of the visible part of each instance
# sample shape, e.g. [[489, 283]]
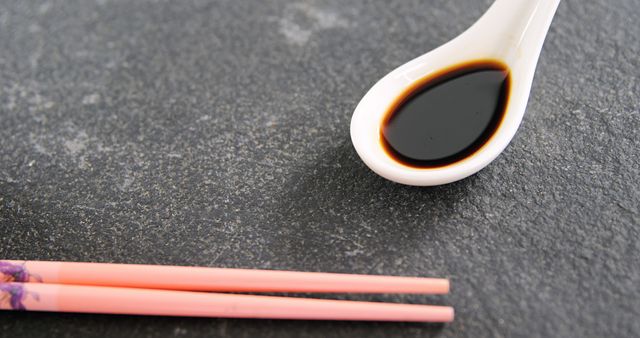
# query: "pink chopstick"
[[117, 300], [212, 279]]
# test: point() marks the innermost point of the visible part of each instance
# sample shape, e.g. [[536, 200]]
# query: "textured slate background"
[[216, 133]]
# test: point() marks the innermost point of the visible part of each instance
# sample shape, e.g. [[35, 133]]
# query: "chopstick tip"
[[447, 286], [452, 314]]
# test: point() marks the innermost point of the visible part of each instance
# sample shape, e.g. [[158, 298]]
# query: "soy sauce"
[[447, 117]]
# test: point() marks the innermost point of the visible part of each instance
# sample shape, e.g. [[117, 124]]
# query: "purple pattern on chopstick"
[[11, 272], [11, 290], [15, 294]]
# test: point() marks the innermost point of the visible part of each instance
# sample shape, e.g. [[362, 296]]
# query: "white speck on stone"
[[78, 144], [34, 28], [82, 162], [38, 147], [179, 331], [126, 182], [4, 18], [35, 100], [294, 33], [355, 252], [44, 8], [91, 99], [301, 20]]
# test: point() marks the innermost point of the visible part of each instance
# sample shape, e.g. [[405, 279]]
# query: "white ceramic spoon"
[[511, 32]]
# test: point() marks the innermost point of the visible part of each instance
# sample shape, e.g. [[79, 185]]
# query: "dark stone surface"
[[216, 133]]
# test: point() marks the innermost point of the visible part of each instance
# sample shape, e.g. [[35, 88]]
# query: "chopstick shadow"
[[95, 325], [336, 215]]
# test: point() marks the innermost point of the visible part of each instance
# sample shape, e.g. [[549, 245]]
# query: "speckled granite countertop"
[[217, 133]]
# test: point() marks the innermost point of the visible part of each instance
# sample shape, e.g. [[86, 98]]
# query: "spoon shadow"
[[338, 211]]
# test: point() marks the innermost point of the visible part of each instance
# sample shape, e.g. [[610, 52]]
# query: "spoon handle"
[[522, 24]]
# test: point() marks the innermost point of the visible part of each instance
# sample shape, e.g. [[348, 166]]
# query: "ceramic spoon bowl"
[[511, 32]]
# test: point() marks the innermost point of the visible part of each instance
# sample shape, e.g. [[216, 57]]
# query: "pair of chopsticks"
[[190, 291]]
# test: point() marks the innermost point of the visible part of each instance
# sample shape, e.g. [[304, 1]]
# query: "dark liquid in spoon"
[[446, 118]]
